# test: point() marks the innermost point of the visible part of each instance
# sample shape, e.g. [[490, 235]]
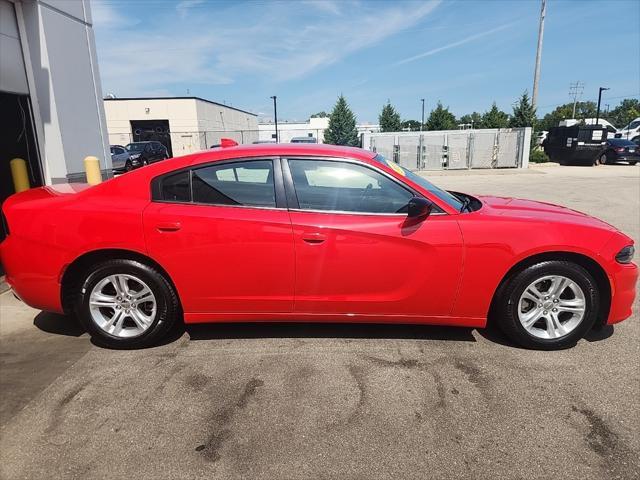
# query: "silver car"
[[121, 159]]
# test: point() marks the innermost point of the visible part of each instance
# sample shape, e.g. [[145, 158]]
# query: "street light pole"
[[536, 75], [422, 123], [599, 98], [275, 115]]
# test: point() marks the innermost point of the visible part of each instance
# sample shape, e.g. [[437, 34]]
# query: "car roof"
[[278, 149]]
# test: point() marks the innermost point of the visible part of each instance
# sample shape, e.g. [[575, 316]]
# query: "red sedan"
[[311, 233]]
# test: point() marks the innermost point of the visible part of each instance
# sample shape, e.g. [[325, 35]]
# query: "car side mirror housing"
[[419, 207]]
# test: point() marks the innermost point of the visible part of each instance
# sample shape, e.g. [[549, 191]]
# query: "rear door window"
[[249, 183]]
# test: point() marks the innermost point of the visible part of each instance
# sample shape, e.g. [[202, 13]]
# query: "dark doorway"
[[152, 130], [17, 140]]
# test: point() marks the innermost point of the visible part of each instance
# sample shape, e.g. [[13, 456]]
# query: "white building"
[[50, 95], [183, 124], [313, 128]]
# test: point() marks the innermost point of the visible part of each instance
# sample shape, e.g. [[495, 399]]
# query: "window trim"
[[281, 204], [292, 196]]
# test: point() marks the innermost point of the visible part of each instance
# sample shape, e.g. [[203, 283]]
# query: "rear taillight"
[[5, 224], [619, 149]]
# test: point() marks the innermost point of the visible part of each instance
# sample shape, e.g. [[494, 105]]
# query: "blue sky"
[[465, 53]]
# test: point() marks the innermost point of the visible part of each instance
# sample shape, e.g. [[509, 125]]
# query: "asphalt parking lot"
[[327, 401]]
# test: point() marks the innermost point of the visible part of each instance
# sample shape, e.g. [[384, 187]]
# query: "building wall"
[[13, 75], [194, 124], [59, 54]]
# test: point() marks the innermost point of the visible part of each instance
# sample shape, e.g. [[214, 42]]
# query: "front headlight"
[[626, 254], [134, 156]]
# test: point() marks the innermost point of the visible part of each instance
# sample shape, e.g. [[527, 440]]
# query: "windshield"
[[136, 147], [632, 125], [423, 182]]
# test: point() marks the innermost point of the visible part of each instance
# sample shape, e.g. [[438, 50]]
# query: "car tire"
[[128, 166], [633, 162], [111, 315], [555, 321], [601, 160]]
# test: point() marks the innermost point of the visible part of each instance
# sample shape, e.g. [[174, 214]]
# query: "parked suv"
[[147, 152]]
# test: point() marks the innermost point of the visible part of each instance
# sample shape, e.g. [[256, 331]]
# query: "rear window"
[[176, 187]]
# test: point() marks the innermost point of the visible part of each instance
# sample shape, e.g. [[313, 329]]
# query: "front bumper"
[[623, 279]]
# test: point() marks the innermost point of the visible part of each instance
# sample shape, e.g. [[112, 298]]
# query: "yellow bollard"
[[92, 167], [19, 174]]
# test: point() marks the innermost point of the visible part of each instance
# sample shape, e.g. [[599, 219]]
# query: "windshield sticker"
[[395, 166]]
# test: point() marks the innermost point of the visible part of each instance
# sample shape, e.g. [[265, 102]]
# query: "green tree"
[[411, 125], [495, 118], [624, 113], [321, 114], [389, 119], [342, 125], [474, 119], [441, 118], [564, 112], [524, 115]]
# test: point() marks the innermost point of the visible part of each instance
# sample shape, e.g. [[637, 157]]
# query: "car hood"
[[520, 208]]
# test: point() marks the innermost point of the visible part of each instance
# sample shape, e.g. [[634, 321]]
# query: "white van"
[[611, 130], [631, 131]]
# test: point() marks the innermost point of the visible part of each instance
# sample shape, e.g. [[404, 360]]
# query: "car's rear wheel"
[[632, 162], [127, 304], [549, 305]]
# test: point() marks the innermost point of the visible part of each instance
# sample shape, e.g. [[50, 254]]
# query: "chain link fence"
[[454, 149], [184, 143]]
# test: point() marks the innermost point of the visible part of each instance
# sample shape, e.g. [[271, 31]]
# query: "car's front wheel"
[[549, 305], [602, 160], [127, 304]]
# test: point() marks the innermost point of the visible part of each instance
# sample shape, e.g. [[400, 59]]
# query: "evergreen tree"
[[441, 118], [389, 119], [495, 118], [474, 119], [342, 125], [524, 115]]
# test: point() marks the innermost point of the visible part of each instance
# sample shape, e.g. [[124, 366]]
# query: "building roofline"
[[181, 98]]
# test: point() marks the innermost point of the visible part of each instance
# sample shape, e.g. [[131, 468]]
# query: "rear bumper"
[[32, 276], [623, 281]]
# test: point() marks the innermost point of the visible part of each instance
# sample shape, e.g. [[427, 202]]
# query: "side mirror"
[[419, 207]]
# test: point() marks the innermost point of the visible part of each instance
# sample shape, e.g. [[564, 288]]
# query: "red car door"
[[358, 253], [224, 236]]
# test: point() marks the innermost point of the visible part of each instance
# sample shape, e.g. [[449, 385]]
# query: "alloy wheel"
[[551, 307], [122, 305]]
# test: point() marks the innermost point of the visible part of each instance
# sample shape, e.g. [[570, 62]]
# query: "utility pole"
[[600, 90], [275, 115], [422, 123], [575, 90], [536, 75]]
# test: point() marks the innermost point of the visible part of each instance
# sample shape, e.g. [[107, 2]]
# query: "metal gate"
[[484, 150], [453, 149]]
